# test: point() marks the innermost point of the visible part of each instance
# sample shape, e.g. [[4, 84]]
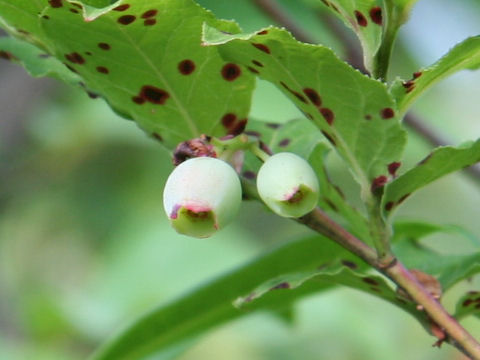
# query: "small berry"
[[288, 185], [201, 196]]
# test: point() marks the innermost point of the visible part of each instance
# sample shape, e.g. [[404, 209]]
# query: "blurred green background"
[[85, 246]]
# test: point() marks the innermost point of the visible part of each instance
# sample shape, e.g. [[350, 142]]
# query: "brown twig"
[[456, 335]]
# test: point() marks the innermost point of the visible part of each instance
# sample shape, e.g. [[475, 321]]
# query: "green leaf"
[[167, 330], [412, 230], [145, 58], [299, 136], [353, 111], [333, 200], [22, 19], [333, 272], [465, 55], [365, 18], [36, 61], [448, 269], [468, 304], [440, 162]]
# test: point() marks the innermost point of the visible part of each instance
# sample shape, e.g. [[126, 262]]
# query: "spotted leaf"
[[465, 55], [442, 161], [144, 57], [335, 271], [468, 304], [365, 18], [37, 62], [354, 112]]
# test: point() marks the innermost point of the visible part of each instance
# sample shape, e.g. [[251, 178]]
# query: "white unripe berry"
[[201, 196], [288, 185]]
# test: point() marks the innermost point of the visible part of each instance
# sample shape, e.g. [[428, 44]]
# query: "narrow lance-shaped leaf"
[[335, 271], [365, 18], [465, 55], [440, 162], [167, 330], [354, 112], [145, 58]]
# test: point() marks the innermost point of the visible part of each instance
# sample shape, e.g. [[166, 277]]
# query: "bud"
[[201, 196], [288, 185]]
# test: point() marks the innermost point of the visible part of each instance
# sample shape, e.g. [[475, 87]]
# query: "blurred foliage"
[[85, 246]]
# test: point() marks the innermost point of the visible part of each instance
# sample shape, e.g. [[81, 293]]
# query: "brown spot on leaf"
[[361, 19], [467, 302], [253, 70], [149, 22], [55, 3], [250, 175], [349, 264], [257, 63], [186, 67], [157, 136], [370, 281], [329, 137], [387, 113], [313, 96], [272, 125], [126, 19], [378, 182], [284, 142], [425, 159], [294, 93], [231, 71], [403, 198], [238, 127], [104, 46], [376, 15], [122, 7], [393, 167], [153, 94], [75, 11], [253, 133], [102, 69], [149, 13], [138, 100], [262, 47], [263, 32], [283, 285], [368, 117], [228, 120], [417, 74], [328, 115], [75, 58], [389, 205]]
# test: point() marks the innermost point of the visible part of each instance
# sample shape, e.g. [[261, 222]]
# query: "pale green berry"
[[288, 185], [201, 196]]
